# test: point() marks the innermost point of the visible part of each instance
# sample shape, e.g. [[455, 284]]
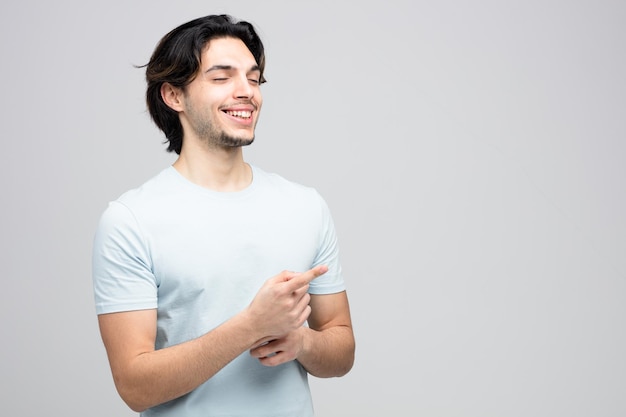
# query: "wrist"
[[248, 328], [306, 342]]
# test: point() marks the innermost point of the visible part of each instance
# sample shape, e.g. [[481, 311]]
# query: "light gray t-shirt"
[[199, 257]]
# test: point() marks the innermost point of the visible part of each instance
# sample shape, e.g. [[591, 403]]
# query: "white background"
[[473, 155]]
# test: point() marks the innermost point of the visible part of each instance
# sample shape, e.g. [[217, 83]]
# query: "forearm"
[[154, 377], [327, 353]]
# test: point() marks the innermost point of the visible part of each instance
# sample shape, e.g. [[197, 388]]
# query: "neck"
[[219, 169]]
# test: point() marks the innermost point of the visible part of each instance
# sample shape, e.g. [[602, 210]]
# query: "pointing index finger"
[[306, 277]]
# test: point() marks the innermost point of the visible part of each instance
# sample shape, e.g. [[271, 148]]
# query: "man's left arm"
[[328, 343], [325, 348]]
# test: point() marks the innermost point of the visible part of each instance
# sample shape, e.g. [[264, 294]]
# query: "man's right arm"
[[145, 377]]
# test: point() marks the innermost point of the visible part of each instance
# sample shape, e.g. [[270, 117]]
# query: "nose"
[[243, 88]]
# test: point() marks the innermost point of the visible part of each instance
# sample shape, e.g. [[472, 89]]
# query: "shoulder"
[[138, 204], [155, 188], [280, 184]]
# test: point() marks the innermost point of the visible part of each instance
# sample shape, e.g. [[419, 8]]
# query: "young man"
[[218, 286]]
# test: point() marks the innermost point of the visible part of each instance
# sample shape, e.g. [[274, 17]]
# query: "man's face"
[[222, 104]]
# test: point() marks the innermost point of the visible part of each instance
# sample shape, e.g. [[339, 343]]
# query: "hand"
[[282, 350], [282, 304]]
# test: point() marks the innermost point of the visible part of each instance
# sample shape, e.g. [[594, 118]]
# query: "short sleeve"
[[327, 254], [122, 273]]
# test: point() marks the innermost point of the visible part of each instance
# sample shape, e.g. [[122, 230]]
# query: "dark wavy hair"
[[176, 60]]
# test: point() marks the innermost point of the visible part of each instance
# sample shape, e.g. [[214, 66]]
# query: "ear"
[[172, 96]]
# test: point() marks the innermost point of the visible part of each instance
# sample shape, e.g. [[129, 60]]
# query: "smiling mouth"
[[241, 114]]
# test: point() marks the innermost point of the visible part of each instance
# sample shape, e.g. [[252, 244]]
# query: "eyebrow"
[[229, 68]]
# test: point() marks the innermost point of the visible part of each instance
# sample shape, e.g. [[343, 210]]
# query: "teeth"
[[243, 114]]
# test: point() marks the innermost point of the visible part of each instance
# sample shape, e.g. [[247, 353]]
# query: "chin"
[[234, 142], [246, 142]]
